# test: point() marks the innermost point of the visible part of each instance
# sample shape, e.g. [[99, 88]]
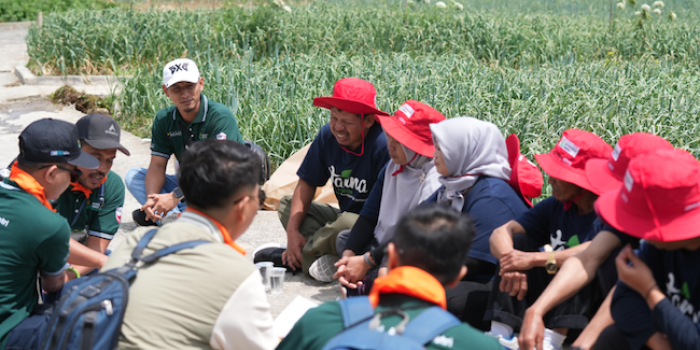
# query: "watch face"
[[551, 268]]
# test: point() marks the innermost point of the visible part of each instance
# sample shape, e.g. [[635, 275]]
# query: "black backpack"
[[264, 160]]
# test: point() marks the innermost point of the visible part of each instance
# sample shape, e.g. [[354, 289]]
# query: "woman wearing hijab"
[[408, 179]]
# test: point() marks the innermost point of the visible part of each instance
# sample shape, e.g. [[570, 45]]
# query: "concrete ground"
[[22, 104]]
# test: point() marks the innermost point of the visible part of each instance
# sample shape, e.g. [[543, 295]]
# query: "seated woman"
[[405, 181]]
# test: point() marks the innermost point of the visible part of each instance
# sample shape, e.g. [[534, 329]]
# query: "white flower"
[[459, 6], [621, 5], [646, 7], [659, 4], [287, 8], [440, 4], [673, 16], [638, 13], [657, 11]]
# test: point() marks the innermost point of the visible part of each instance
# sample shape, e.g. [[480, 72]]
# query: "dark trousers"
[[611, 338], [468, 299], [29, 334], [573, 313]]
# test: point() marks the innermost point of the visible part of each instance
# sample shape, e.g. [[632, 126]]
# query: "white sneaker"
[[323, 268], [510, 344]]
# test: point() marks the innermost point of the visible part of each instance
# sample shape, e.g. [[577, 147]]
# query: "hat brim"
[[556, 169], [175, 80], [347, 105], [107, 144], [402, 134], [600, 177], [611, 207], [84, 160]]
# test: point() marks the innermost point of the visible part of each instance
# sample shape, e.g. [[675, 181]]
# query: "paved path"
[[22, 104]]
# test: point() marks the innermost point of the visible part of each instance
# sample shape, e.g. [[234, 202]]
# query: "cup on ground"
[[276, 279], [264, 267]]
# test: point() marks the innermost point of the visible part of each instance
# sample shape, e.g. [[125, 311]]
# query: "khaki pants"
[[320, 228]]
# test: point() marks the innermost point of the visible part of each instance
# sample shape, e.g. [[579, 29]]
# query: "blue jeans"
[[29, 334], [136, 183]]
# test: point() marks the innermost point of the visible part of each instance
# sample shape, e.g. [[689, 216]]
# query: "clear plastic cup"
[[264, 268], [277, 279]]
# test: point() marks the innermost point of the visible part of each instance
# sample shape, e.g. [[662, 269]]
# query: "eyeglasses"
[[75, 174], [261, 198]]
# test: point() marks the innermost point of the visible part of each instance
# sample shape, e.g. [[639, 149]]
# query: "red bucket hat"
[[660, 198], [567, 160], [352, 95], [410, 125], [525, 177], [607, 174]]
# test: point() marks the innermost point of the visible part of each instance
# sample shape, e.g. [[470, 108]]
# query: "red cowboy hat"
[[659, 199], [410, 125], [567, 160], [606, 174], [352, 95], [525, 177]]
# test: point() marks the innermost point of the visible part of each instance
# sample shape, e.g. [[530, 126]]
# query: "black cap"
[[100, 131], [53, 141]]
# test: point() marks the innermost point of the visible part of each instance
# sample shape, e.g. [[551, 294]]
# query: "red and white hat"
[[660, 198], [607, 174], [525, 177], [567, 160], [352, 95], [410, 125]]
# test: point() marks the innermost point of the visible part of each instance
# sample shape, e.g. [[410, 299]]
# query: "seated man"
[[657, 298], [33, 238], [351, 151], [579, 270], [566, 220], [93, 204], [192, 117], [429, 252], [211, 296]]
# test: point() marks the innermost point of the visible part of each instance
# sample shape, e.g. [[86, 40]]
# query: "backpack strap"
[[141, 245], [355, 310], [429, 324], [137, 253]]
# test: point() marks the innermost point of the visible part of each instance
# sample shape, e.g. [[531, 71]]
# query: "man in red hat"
[[658, 296], [598, 258], [350, 151], [531, 247]]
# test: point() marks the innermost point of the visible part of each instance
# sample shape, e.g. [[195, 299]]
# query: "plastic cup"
[[277, 279], [264, 269]]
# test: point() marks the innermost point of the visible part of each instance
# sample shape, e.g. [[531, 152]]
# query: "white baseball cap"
[[181, 69]]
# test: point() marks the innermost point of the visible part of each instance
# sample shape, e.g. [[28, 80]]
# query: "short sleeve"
[[623, 237], [225, 126], [52, 252], [106, 222], [536, 220], [160, 143], [313, 169]]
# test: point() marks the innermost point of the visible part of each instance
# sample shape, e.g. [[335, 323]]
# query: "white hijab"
[[470, 148], [405, 190]]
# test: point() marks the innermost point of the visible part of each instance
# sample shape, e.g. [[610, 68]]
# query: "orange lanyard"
[[224, 231], [29, 184], [410, 281]]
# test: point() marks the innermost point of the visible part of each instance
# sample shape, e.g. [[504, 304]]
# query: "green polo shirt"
[[322, 323], [32, 239], [213, 120], [87, 213]]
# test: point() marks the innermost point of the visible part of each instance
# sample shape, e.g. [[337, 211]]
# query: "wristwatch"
[[177, 192], [551, 264]]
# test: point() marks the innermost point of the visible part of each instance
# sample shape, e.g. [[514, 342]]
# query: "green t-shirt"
[[32, 239], [87, 214], [321, 324], [213, 120]]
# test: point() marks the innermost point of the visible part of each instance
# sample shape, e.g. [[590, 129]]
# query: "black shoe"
[[273, 254], [139, 217]]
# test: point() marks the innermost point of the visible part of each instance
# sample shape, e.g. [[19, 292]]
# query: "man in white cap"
[[191, 118]]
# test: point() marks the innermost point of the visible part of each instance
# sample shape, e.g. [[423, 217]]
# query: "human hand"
[[516, 260], [292, 256], [514, 283], [531, 331], [158, 205], [351, 271], [633, 271]]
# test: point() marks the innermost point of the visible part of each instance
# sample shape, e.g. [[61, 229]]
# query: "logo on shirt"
[[679, 298], [221, 136], [444, 341], [118, 215], [558, 244], [175, 133], [344, 183], [4, 222]]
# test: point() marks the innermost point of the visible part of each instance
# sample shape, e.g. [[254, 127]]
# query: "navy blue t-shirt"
[[490, 203], [677, 273], [352, 176], [549, 223]]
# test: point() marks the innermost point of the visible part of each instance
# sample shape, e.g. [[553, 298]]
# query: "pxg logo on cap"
[[179, 70]]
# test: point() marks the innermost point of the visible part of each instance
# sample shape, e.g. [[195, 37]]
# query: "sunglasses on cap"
[[75, 174], [261, 198]]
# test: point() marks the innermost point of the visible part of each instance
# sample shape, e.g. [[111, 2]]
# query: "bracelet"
[[646, 295], [73, 270], [369, 261]]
